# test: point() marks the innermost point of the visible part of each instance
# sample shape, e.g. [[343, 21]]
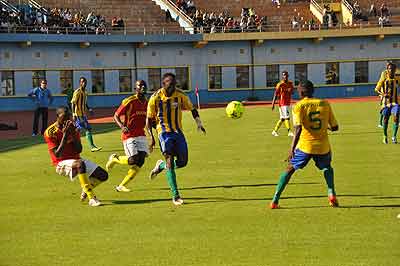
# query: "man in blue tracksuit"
[[42, 98]]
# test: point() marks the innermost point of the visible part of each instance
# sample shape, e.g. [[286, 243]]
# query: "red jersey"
[[53, 136], [284, 91], [135, 112]]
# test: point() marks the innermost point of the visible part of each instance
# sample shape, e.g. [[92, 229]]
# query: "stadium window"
[[7, 83], [332, 73], [98, 81], [182, 77], [215, 77], [154, 75], [300, 73], [66, 79], [242, 77], [125, 80], [361, 71], [272, 75], [37, 76]]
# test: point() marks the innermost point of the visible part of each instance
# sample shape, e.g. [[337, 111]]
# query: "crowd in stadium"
[[381, 16], [55, 20]]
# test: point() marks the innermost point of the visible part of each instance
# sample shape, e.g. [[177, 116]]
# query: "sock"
[[283, 181], [86, 186], [328, 174], [385, 128], [94, 182], [395, 129], [163, 165], [171, 178], [287, 124], [121, 160], [89, 138], [278, 125], [381, 119], [131, 175]]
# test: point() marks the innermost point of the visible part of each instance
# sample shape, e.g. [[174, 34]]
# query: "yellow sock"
[[287, 124], [94, 182], [121, 160], [278, 125], [86, 186], [131, 175]]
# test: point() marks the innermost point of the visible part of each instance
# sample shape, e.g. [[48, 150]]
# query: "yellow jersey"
[[167, 111], [389, 86], [315, 116], [79, 99]]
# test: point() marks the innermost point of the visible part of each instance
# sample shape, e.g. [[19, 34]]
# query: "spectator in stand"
[[384, 10], [384, 21], [295, 22], [372, 10]]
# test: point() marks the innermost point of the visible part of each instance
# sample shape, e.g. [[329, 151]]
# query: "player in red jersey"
[[64, 144], [283, 92], [134, 109]]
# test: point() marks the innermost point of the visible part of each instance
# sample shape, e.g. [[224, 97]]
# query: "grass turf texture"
[[227, 185]]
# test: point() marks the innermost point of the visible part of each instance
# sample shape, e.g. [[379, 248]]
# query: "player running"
[[64, 144], [79, 111], [387, 88], [133, 136], [284, 90], [165, 107], [312, 118]]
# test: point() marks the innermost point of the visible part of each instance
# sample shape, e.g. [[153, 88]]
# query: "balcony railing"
[[287, 27]]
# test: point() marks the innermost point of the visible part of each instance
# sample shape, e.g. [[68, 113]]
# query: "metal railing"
[[285, 27]]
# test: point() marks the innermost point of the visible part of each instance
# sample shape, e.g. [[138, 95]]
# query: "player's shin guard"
[[89, 138], [86, 186], [283, 181], [131, 175], [395, 129], [328, 174], [287, 124], [278, 125], [171, 178]]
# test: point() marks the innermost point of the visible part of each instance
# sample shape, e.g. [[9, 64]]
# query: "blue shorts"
[[301, 159], [81, 122], [174, 143], [388, 110]]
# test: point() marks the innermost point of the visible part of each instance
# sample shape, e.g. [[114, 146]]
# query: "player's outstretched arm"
[[149, 128], [196, 117], [297, 133]]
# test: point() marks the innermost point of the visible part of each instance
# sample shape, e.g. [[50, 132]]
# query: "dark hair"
[[83, 79], [285, 71], [308, 86], [169, 74], [142, 82], [393, 65], [63, 108]]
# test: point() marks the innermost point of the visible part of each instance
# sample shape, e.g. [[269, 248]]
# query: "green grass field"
[[227, 185]]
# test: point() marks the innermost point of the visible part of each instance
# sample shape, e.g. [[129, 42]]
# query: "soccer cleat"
[[380, 126], [333, 202], [398, 216], [34, 134], [275, 134], [177, 201], [110, 163], [274, 205], [83, 196], [94, 202], [156, 170], [94, 149], [385, 141], [122, 189], [290, 134], [394, 140]]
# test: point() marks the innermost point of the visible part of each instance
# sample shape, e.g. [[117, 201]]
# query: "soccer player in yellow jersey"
[[165, 107], [312, 118], [387, 89], [79, 110]]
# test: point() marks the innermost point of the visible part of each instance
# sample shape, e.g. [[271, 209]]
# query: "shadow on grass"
[[24, 142], [237, 186]]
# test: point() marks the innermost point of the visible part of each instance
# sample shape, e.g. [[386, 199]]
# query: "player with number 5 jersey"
[[312, 118]]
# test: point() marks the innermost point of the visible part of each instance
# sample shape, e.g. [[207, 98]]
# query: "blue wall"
[[111, 53]]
